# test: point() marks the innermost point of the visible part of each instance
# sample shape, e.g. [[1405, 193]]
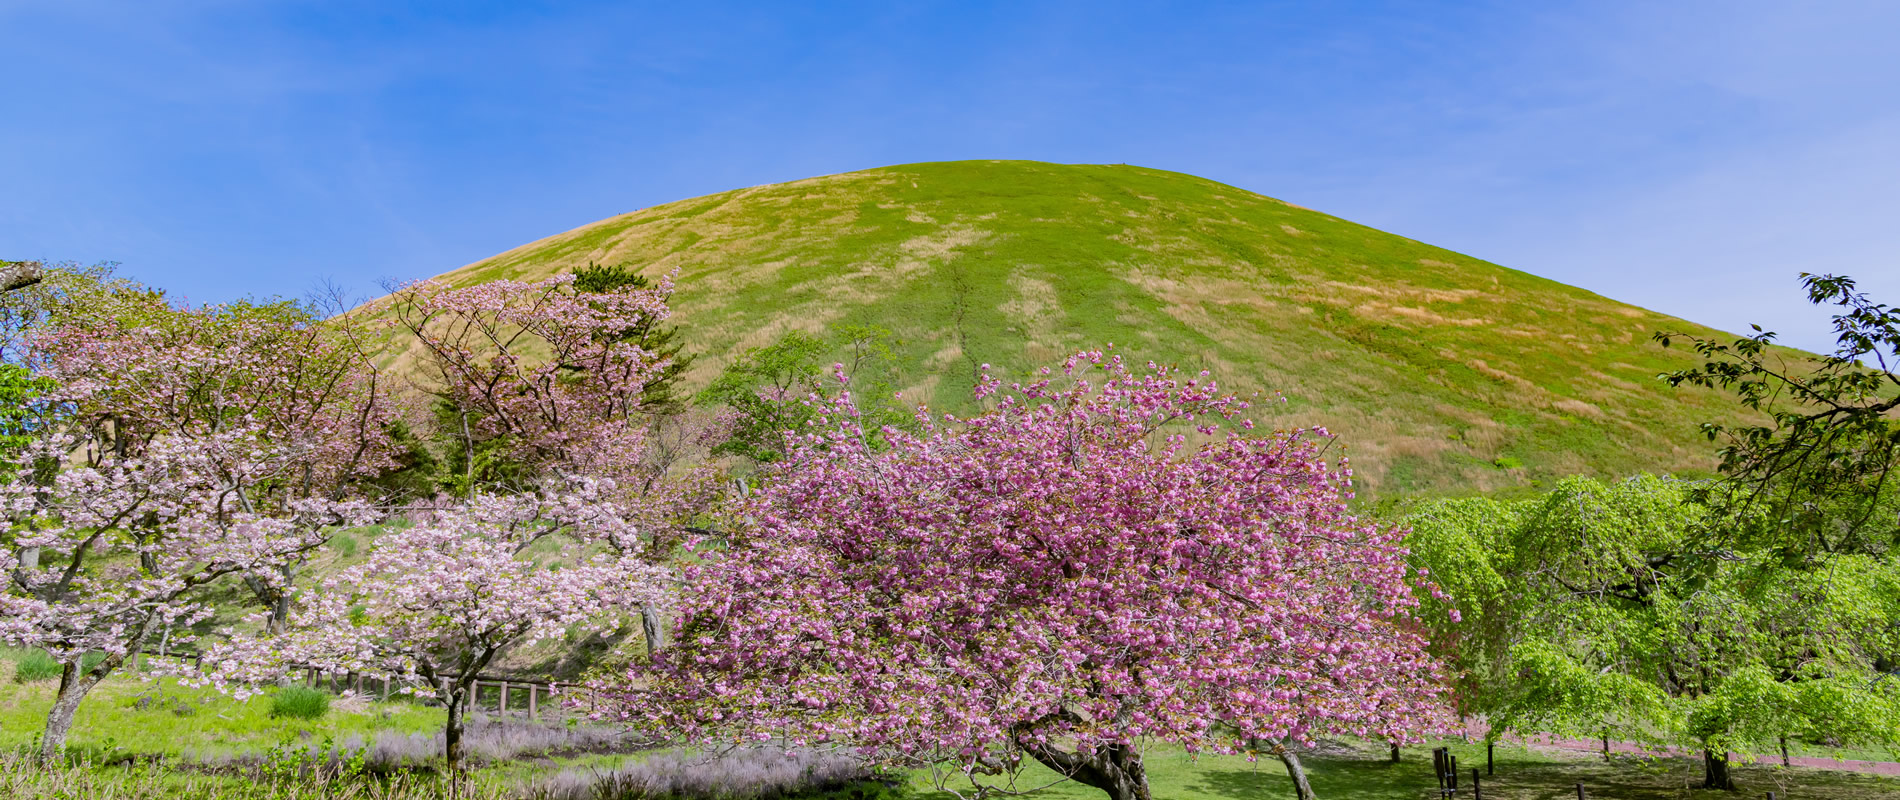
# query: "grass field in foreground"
[[1365, 773], [139, 715], [133, 719]]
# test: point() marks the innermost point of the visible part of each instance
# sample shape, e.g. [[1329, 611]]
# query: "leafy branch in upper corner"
[[1824, 458]]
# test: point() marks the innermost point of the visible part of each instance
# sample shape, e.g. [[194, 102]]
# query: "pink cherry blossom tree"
[[167, 454], [555, 378], [294, 383], [1106, 559], [542, 368], [437, 602], [102, 553]]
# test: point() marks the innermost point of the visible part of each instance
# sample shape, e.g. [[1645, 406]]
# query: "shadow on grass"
[[1622, 779], [1331, 777]]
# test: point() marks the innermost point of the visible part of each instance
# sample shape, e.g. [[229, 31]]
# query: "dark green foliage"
[[299, 702], [418, 472], [660, 395], [766, 388], [470, 460], [457, 459], [1822, 463]]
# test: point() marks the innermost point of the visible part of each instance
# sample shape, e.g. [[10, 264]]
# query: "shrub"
[[299, 702], [752, 773], [24, 776], [488, 740], [34, 666]]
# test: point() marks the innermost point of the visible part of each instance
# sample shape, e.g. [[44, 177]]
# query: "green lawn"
[[132, 718], [1366, 773], [146, 715]]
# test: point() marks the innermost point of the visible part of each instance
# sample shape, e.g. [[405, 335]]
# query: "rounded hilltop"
[[1441, 371]]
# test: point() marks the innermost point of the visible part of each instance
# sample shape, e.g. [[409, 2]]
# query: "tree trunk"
[[1715, 771], [1301, 789], [74, 683], [655, 627], [452, 732], [280, 604], [468, 456], [1115, 769], [275, 599]]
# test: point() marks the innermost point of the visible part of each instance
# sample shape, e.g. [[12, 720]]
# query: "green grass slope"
[[1441, 371]]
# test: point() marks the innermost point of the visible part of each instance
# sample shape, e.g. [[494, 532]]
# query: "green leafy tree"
[[767, 390], [18, 389], [471, 456], [1616, 609], [1821, 464], [418, 472]]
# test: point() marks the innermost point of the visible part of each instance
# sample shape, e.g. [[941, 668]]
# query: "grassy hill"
[[1441, 371]]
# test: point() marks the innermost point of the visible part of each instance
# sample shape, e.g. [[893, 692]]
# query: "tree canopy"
[[1621, 609], [1062, 579]]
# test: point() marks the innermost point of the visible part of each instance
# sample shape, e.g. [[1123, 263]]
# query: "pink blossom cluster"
[[290, 383], [542, 365], [1107, 556], [173, 449], [108, 550], [437, 601]]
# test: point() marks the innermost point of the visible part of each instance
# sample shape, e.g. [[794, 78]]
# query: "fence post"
[[1580, 792], [502, 708], [385, 688], [531, 714], [1490, 760], [1477, 792]]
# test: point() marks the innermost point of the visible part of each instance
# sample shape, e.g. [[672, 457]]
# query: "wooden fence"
[[504, 691]]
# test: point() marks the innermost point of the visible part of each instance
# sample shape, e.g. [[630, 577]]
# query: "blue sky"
[[1688, 157]]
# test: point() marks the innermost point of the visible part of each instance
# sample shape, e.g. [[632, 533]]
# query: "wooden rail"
[[503, 688]]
